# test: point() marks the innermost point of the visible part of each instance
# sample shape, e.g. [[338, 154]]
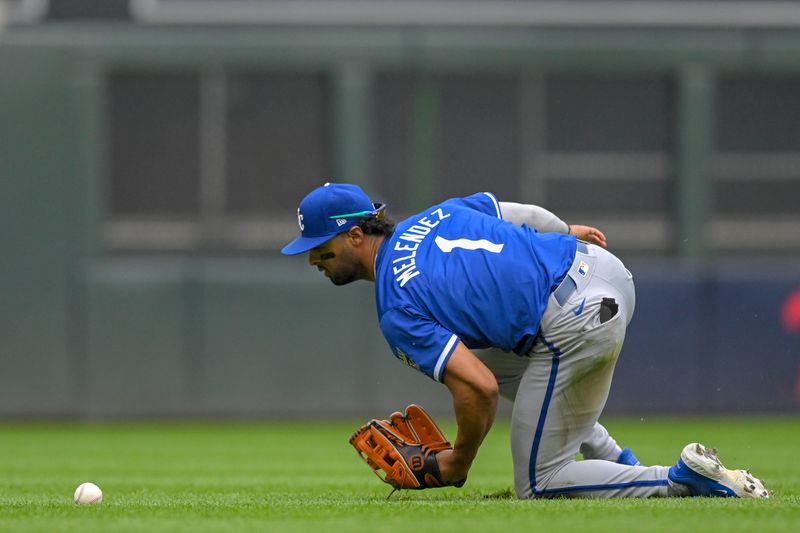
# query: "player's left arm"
[[475, 392], [546, 222]]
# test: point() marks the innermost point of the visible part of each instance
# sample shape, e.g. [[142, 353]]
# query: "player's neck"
[[371, 255]]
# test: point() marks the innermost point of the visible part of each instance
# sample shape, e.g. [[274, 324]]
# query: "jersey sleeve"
[[418, 341], [485, 202]]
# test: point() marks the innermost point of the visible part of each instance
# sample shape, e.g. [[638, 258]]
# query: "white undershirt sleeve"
[[534, 216]]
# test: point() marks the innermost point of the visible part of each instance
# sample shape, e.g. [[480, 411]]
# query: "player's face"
[[337, 259]]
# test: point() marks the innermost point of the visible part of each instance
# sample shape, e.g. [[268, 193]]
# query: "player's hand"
[[589, 234], [452, 469]]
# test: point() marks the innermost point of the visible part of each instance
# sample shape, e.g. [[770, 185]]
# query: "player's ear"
[[355, 235]]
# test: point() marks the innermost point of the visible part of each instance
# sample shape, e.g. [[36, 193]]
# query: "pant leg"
[[564, 389], [600, 445], [549, 425], [508, 369]]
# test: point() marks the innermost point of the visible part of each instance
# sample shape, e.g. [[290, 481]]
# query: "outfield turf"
[[305, 477]]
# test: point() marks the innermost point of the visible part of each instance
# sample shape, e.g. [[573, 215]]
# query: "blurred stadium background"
[[153, 152]]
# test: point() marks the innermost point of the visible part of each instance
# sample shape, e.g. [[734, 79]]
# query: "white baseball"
[[87, 494]]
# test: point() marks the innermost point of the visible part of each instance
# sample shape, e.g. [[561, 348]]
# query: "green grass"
[[305, 477]]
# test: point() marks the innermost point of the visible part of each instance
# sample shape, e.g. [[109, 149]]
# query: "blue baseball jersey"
[[457, 271]]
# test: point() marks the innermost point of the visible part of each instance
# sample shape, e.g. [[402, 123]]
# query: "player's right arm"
[[426, 345], [546, 222], [475, 392]]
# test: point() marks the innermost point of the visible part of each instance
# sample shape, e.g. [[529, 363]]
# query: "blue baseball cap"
[[328, 211]]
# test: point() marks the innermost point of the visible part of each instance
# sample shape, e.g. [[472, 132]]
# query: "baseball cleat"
[[699, 469], [627, 458]]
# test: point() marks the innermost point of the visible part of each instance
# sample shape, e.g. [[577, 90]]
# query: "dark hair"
[[377, 225]]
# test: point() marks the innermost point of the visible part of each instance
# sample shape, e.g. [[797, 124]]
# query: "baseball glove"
[[402, 450]]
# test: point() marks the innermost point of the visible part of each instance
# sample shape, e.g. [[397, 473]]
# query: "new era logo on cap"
[[328, 211]]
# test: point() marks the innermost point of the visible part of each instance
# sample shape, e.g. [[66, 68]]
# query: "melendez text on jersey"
[[458, 271], [409, 241]]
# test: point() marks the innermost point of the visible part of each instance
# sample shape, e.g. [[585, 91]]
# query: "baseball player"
[[502, 299]]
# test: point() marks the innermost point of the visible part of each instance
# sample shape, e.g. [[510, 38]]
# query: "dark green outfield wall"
[[36, 176]]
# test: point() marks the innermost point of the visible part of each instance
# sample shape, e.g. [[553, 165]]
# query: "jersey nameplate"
[[405, 267]]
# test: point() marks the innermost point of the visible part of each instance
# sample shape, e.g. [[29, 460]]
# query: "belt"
[[568, 285]]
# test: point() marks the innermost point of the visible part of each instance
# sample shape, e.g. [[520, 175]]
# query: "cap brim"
[[304, 244]]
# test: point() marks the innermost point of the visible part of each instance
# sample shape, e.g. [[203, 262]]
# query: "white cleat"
[[701, 470]]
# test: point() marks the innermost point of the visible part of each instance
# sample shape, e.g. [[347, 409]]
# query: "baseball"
[[87, 494]]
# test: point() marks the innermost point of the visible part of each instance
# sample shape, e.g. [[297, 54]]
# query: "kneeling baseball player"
[[499, 299]]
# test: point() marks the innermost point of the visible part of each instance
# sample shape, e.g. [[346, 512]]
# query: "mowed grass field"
[[305, 477]]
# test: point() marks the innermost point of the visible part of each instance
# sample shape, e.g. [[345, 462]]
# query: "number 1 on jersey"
[[447, 246]]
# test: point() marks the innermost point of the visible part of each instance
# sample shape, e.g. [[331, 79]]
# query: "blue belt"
[[568, 285]]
